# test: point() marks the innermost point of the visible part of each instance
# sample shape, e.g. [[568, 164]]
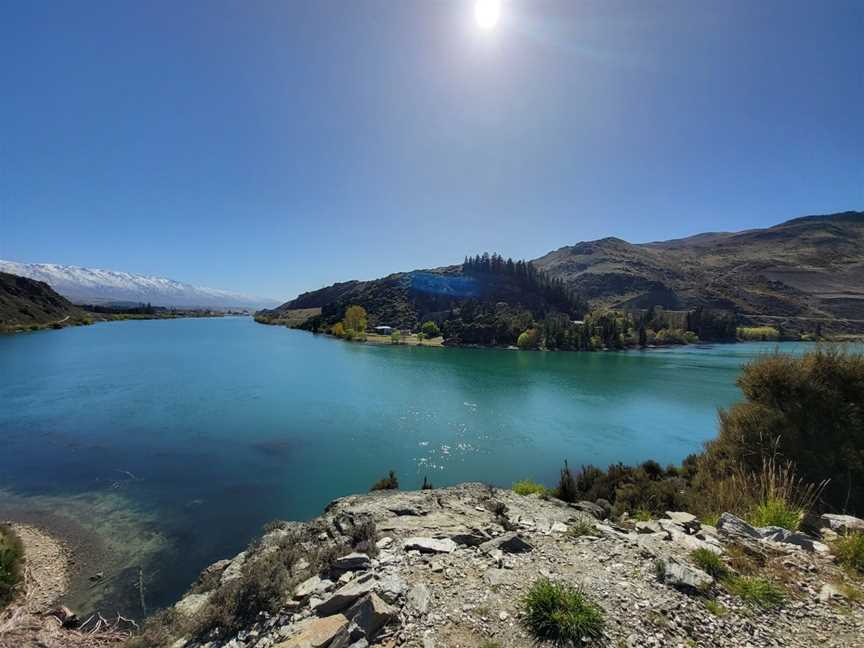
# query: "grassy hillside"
[[28, 304], [807, 267], [488, 301]]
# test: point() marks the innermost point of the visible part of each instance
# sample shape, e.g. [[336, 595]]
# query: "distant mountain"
[[806, 267], [27, 303], [811, 267], [91, 286]]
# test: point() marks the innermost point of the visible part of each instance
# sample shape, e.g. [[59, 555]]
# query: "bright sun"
[[487, 13]]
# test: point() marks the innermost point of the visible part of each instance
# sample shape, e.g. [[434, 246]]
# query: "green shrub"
[[560, 614], [430, 330], [11, 559], [806, 409], [775, 511], [530, 339], [528, 487], [390, 482], [710, 563], [758, 333], [757, 592], [849, 550]]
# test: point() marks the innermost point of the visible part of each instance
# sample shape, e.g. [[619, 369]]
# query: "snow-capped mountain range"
[[92, 286]]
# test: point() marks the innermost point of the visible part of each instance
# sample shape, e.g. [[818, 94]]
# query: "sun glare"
[[487, 13]]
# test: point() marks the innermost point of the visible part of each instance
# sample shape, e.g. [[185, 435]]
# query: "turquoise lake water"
[[213, 427]]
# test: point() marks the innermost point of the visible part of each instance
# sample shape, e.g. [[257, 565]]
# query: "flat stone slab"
[[345, 596], [316, 633], [429, 545]]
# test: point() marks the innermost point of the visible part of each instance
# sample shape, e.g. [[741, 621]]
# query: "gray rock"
[[687, 520], [429, 545], [591, 508], [651, 526], [352, 562], [498, 577], [558, 527], [605, 505], [778, 534], [345, 596], [829, 592], [470, 538], [418, 598], [731, 525], [312, 585], [191, 604], [841, 524], [391, 587], [510, 542], [683, 576], [371, 614]]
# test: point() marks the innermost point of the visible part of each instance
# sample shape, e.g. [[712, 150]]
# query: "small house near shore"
[[383, 330]]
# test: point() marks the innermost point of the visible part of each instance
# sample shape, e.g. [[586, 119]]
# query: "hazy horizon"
[[274, 148]]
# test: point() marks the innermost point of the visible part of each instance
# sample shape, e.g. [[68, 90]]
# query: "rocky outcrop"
[[456, 574]]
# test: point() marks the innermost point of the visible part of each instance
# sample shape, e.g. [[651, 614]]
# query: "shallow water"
[[215, 426]]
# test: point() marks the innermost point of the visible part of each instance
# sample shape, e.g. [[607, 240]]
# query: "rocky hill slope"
[[25, 303], [94, 286], [450, 568], [806, 267]]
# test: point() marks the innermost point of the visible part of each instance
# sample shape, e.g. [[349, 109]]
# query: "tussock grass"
[[581, 528], [775, 512], [757, 592], [849, 551], [710, 563], [561, 614], [528, 487], [716, 608]]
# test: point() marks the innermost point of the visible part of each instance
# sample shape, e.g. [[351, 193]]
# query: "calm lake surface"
[[212, 427]]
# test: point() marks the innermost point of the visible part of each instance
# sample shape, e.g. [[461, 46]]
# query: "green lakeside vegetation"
[[11, 564], [795, 444]]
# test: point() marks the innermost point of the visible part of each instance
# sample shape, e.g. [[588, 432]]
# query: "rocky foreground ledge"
[[449, 568]]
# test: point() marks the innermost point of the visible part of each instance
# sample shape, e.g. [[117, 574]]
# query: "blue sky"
[[275, 147]]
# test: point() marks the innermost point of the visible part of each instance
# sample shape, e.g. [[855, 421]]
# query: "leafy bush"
[[395, 337], [528, 487], [810, 411], [710, 563], [757, 592], [11, 559], [560, 614], [390, 482], [763, 333], [430, 330], [849, 550], [530, 339]]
